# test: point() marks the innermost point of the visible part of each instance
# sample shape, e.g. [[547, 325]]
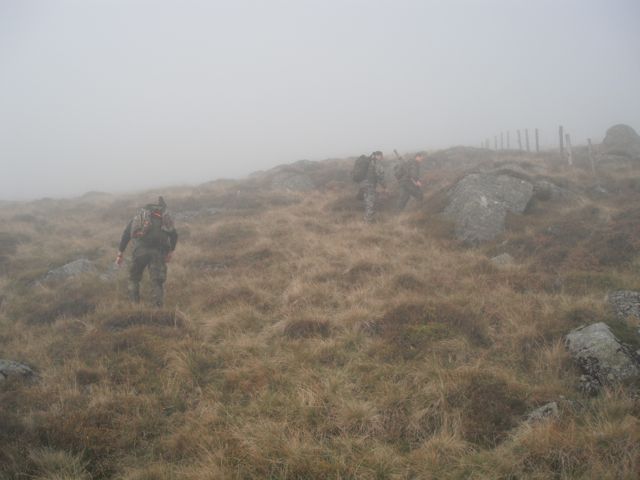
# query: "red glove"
[[119, 258]]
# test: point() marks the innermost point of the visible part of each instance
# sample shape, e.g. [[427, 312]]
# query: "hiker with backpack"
[[369, 171], [407, 172], [155, 239]]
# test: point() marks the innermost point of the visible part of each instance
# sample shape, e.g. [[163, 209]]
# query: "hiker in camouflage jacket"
[[409, 181], [374, 177], [155, 239]]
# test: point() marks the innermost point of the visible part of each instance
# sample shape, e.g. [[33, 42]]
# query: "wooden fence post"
[[537, 141], [567, 138], [591, 159], [526, 136], [519, 141], [561, 138]]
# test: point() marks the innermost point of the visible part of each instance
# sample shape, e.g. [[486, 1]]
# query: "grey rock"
[[625, 304], [622, 140], [548, 411], [296, 182], [10, 368], [601, 356], [479, 203], [502, 260], [69, 270]]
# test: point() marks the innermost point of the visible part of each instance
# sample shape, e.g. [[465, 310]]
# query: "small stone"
[[10, 368], [550, 410], [502, 260]]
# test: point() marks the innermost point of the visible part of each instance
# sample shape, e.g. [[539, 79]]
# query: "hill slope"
[[299, 342]]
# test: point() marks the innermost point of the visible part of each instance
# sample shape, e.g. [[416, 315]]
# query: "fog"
[[116, 95]]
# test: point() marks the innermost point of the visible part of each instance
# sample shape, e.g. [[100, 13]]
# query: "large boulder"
[[479, 203], [622, 140], [625, 304], [69, 270], [602, 357], [12, 369]]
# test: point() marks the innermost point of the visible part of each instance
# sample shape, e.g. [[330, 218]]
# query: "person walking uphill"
[[155, 239], [408, 175], [370, 173]]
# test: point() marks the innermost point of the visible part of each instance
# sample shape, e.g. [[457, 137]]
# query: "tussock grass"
[[299, 342]]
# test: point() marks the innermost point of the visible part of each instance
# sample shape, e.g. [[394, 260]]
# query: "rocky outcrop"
[[72, 269], [479, 204], [12, 369], [622, 140], [602, 357], [625, 304]]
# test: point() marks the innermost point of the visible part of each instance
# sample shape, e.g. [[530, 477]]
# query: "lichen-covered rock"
[[69, 270], [479, 204], [502, 260], [622, 140], [625, 304], [548, 411], [601, 356], [12, 369]]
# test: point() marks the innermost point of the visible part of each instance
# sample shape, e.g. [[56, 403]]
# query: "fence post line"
[[526, 137], [501, 140], [508, 140], [537, 141], [561, 139]]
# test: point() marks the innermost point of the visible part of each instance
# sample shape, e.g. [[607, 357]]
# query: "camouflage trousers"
[[369, 202], [154, 261], [408, 190]]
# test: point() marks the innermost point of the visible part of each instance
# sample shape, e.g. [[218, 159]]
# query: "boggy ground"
[[298, 342]]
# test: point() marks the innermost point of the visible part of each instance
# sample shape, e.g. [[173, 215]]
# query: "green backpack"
[[360, 168]]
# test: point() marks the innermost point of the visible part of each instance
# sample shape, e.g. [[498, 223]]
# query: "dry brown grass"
[[299, 342]]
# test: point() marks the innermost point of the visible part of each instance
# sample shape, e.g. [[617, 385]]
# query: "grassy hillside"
[[298, 342]]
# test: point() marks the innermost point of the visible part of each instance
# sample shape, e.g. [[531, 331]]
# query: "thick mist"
[[126, 94]]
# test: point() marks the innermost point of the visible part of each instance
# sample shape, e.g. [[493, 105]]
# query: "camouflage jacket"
[[411, 172], [375, 174], [163, 238]]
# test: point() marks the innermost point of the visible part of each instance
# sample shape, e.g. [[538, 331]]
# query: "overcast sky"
[[117, 95]]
